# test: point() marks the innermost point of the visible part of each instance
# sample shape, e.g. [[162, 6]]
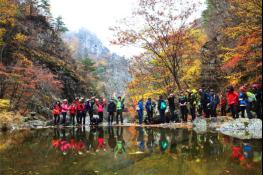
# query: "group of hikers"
[[203, 103], [79, 109]]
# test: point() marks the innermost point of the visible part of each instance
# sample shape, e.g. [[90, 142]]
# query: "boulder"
[[243, 128], [255, 124], [199, 122], [238, 124], [200, 125]]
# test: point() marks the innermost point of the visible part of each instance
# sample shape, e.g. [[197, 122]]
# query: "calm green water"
[[128, 150]]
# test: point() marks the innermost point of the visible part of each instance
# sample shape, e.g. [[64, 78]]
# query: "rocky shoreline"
[[241, 128]]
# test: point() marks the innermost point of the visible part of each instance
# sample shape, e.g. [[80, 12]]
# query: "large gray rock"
[[238, 124], [243, 128], [255, 124]]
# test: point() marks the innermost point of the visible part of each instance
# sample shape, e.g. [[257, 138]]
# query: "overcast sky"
[[95, 15]]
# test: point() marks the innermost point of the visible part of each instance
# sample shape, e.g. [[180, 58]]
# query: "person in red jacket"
[[56, 113], [232, 100], [72, 113], [78, 110], [223, 104], [100, 104]]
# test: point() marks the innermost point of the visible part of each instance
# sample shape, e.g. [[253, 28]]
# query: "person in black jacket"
[[257, 90], [183, 106], [214, 101], [111, 111], [171, 102], [90, 108]]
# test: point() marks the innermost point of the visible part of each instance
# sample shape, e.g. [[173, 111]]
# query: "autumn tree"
[[243, 58], [161, 28], [36, 67]]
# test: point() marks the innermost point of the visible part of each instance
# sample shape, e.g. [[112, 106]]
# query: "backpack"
[[251, 97], [138, 108], [163, 105]]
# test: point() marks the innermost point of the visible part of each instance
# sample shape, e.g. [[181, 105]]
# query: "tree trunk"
[[177, 82]]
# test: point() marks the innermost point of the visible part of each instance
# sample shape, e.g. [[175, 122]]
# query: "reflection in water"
[[186, 143], [140, 139], [117, 148], [163, 143]]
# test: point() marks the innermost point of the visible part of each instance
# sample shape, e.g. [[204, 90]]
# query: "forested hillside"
[[221, 48], [36, 66]]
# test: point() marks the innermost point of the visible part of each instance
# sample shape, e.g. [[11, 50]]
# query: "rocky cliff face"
[[112, 68], [213, 21]]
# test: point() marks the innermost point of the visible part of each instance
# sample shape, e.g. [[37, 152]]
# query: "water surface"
[[127, 150]]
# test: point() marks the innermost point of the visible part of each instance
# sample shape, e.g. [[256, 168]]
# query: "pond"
[[127, 150]]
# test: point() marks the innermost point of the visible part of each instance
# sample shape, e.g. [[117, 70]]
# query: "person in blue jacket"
[[140, 109], [242, 101]]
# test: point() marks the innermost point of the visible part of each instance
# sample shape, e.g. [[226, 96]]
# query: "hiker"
[[90, 107], [204, 103], [72, 113], [171, 103], [111, 111], [162, 106], [192, 99], [120, 106], [80, 108], [83, 112], [64, 110], [207, 103], [214, 101], [87, 107], [223, 104], [232, 100], [140, 109], [199, 103], [183, 106], [100, 104], [149, 106], [251, 101], [56, 112], [257, 90], [243, 100]]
